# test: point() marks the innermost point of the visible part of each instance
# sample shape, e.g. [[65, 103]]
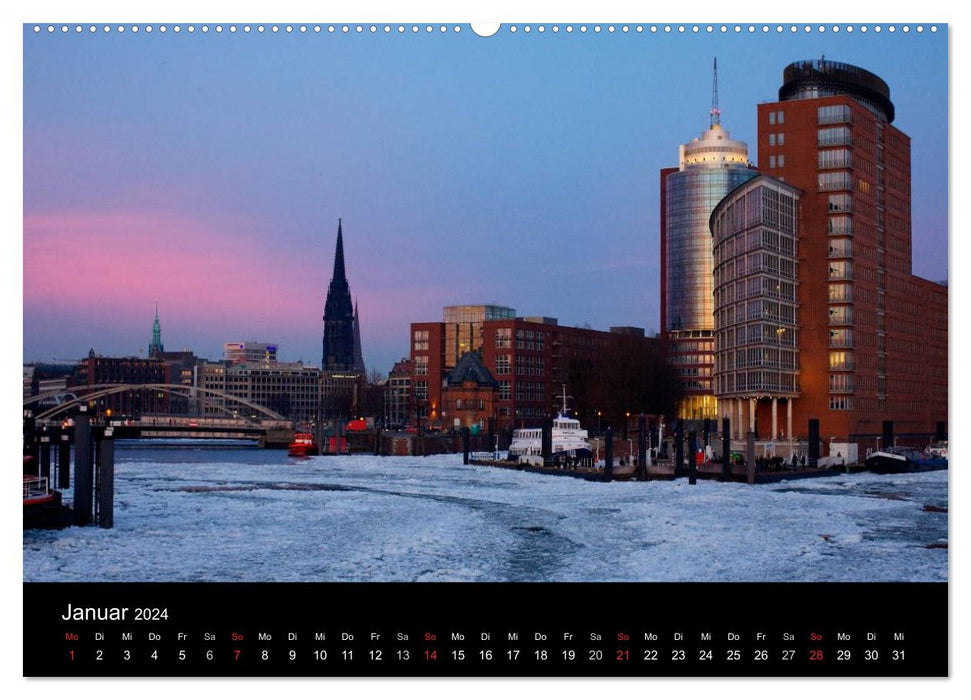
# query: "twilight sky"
[[206, 172]]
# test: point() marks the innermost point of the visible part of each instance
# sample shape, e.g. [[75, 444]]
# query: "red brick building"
[[530, 359], [469, 394], [96, 370], [872, 336]]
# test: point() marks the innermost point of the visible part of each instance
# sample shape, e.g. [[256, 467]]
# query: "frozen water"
[[250, 515]]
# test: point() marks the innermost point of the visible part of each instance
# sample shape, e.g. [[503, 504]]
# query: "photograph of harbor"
[[542, 303]]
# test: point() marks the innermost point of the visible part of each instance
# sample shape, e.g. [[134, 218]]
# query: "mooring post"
[[726, 449], [812, 458], [750, 457], [465, 445], [608, 454], [45, 456], [642, 447], [692, 458], [30, 436], [678, 448], [106, 481], [547, 441], [83, 468], [64, 460]]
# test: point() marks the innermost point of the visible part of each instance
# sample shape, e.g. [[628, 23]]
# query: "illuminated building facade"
[[872, 336], [710, 167]]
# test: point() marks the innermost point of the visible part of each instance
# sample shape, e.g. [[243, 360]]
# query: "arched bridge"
[[249, 420], [98, 391]]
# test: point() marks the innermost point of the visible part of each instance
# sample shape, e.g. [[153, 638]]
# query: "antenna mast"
[[715, 112]]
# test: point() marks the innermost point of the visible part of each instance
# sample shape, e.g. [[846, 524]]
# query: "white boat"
[[568, 440]]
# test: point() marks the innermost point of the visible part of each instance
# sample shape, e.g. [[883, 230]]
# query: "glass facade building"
[[710, 167], [756, 253], [463, 328]]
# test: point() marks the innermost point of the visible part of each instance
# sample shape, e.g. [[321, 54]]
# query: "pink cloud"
[[122, 261]]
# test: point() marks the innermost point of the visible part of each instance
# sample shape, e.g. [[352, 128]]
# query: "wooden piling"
[[608, 454], [465, 445], [750, 458], [726, 449], [83, 469], [812, 456], [692, 458], [547, 441], [45, 456], [642, 447], [678, 448], [106, 481], [64, 461]]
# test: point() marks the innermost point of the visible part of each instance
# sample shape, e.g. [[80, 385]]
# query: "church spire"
[[341, 341], [339, 273], [156, 348]]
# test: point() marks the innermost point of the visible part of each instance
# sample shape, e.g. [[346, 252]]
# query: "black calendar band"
[[485, 629]]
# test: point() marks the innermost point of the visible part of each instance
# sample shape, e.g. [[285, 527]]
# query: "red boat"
[[303, 445]]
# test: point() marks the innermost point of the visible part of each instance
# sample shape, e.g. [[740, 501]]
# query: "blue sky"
[[207, 172]]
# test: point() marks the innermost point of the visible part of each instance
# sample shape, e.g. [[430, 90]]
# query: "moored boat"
[[901, 460], [303, 445], [569, 440]]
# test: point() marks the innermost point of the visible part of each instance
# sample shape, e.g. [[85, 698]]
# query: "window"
[[840, 248], [841, 292], [841, 315], [421, 365], [771, 117], [840, 270], [504, 392], [839, 226], [840, 203], [834, 114], [503, 337], [771, 161], [841, 403], [421, 390], [835, 158], [841, 338], [421, 340], [835, 181], [782, 161], [503, 363], [834, 136]]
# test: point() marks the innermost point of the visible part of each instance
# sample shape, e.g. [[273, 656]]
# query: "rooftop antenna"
[[715, 112]]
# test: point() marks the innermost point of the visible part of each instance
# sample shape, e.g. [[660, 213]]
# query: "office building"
[[872, 337], [709, 168]]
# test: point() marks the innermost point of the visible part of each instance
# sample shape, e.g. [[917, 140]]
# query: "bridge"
[[242, 419]]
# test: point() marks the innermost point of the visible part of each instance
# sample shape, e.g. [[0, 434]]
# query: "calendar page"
[[524, 349]]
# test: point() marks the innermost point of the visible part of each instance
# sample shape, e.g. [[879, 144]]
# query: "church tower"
[[342, 340], [155, 349]]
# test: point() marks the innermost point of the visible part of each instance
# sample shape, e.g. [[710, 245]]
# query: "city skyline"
[[207, 173]]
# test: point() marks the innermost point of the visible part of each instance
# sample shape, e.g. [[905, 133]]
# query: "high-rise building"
[[709, 168], [342, 335], [872, 337], [755, 232]]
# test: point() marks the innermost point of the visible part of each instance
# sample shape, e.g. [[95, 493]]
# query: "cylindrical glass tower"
[[710, 168]]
